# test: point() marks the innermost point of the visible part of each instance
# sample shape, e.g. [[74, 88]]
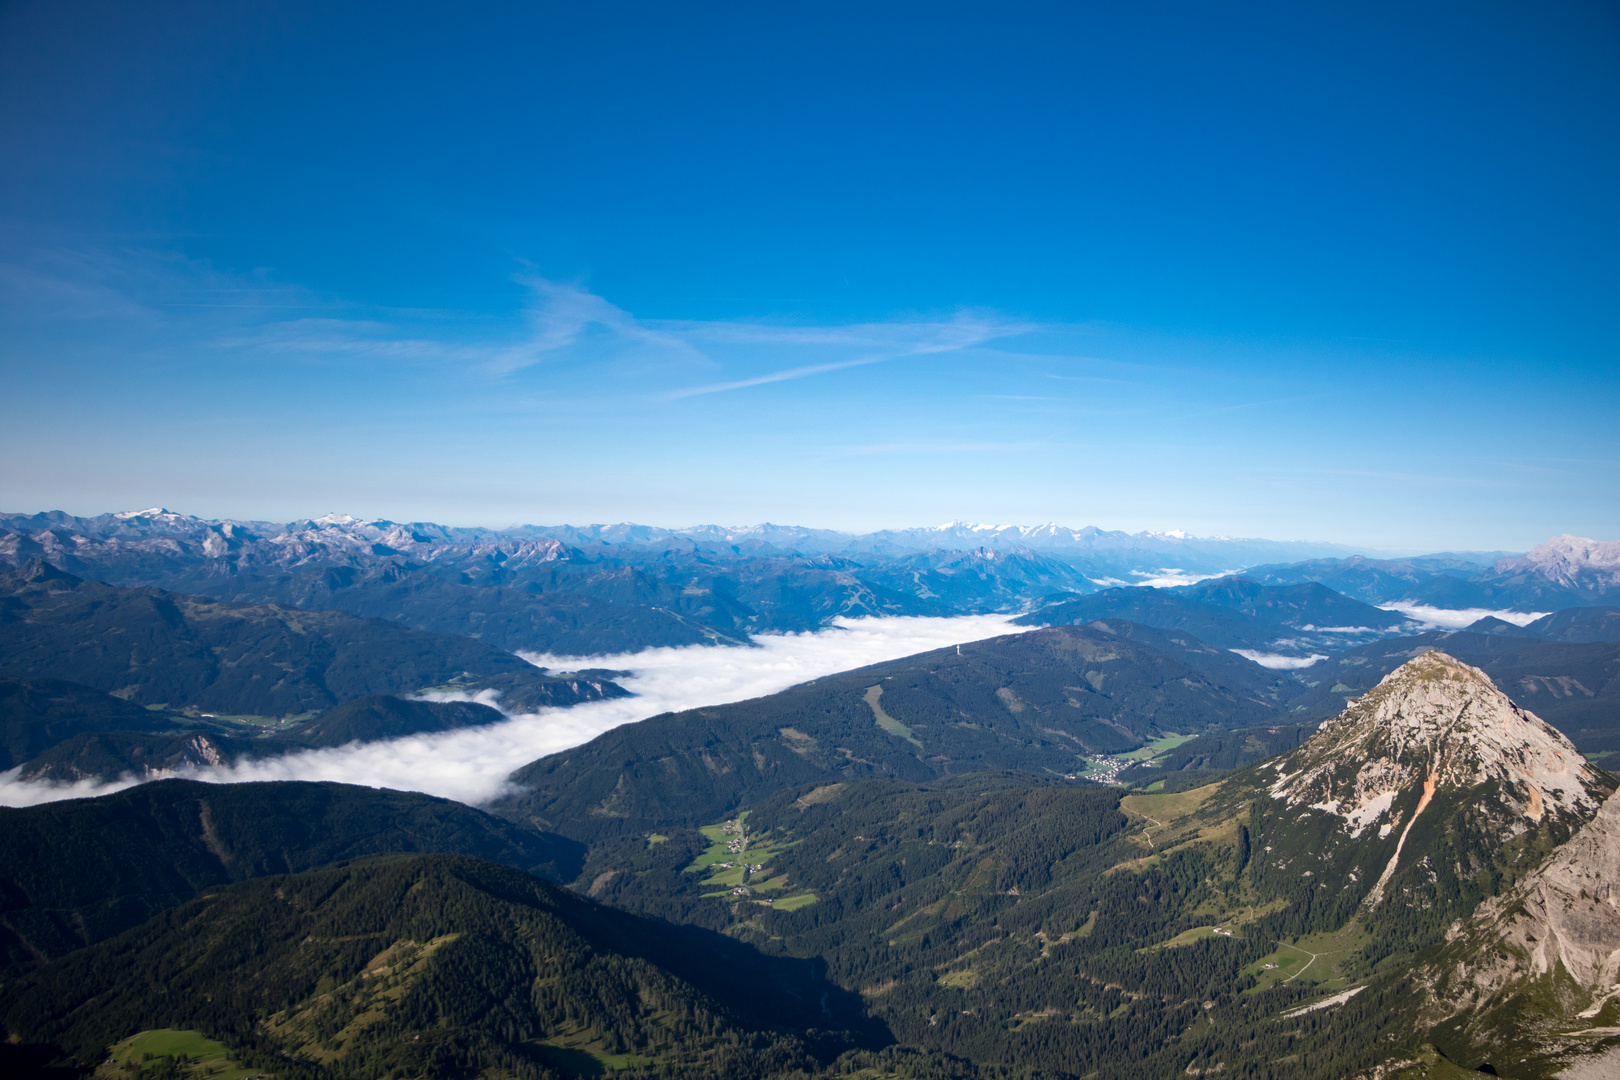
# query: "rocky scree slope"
[[1421, 797], [1533, 979], [1575, 686]]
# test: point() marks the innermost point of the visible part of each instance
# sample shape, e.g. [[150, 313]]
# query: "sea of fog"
[[471, 765]]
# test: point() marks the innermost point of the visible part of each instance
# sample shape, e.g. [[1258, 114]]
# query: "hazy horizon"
[[1168, 534]]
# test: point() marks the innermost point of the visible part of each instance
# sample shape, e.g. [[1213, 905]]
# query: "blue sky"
[[1340, 272]]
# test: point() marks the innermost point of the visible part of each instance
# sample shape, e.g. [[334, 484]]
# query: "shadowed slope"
[[439, 966], [76, 872]]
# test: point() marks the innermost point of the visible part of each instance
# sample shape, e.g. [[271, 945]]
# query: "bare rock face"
[[1564, 919], [1535, 973], [1428, 794], [1571, 908], [1588, 566], [1434, 724]]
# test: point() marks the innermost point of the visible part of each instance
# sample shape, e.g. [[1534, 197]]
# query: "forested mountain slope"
[[76, 872], [1582, 625], [163, 744], [1565, 571], [438, 966], [37, 714], [1039, 701], [990, 924], [156, 648], [1235, 613]]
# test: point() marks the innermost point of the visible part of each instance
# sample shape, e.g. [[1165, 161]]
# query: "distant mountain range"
[[107, 680], [1239, 613], [1191, 553], [583, 590], [1185, 829], [1566, 571]]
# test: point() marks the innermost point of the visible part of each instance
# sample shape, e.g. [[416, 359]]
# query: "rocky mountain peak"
[[1436, 724], [1574, 561], [37, 570]]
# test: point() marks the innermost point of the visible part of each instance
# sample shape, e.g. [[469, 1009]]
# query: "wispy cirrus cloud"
[[561, 313], [771, 377], [566, 324], [877, 343], [561, 327]]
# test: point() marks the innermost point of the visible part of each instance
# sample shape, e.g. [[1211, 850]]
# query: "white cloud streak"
[[1168, 577], [562, 313], [567, 324], [1434, 618], [775, 376], [471, 765], [1279, 662], [562, 326]]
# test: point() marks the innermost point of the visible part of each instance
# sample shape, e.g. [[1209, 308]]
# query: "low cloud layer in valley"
[[471, 764], [1278, 661], [1435, 618]]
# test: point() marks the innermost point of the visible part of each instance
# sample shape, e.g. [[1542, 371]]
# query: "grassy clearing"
[[1187, 937], [388, 977], [820, 794], [769, 884], [887, 722], [1315, 959], [654, 839], [718, 839], [725, 870], [1167, 808], [1163, 823], [794, 903], [206, 1057], [591, 1060], [1156, 747]]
